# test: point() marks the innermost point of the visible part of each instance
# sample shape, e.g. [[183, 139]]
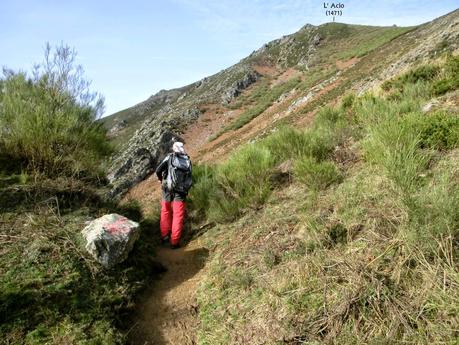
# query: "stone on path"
[[110, 238]]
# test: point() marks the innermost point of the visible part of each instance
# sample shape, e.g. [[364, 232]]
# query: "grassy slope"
[[51, 290], [366, 255], [347, 41], [338, 42]]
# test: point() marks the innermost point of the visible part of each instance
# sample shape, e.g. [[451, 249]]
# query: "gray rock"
[[430, 105], [236, 89], [110, 238], [118, 127], [139, 160], [316, 40]]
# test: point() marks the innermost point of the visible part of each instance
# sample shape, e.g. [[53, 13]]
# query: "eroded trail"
[[167, 312]]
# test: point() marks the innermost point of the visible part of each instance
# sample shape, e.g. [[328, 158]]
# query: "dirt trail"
[[167, 311]]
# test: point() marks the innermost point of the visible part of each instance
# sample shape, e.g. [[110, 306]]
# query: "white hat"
[[178, 147]]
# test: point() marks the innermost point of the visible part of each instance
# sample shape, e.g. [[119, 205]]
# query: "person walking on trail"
[[174, 173]]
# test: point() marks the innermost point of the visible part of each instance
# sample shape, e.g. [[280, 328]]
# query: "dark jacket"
[[162, 168]]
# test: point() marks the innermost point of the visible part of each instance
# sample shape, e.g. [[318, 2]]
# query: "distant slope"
[[283, 81], [342, 41], [123, 124]]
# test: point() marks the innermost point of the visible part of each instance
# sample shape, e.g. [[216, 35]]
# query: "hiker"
[[174, 173]]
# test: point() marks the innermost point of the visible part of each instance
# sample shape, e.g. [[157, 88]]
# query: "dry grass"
[[371, 259], [310, 268], [51, 290]]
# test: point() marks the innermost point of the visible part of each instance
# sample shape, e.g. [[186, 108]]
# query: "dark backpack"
[[179, 177]]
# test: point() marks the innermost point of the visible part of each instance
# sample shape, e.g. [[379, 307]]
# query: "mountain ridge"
[[164, 93], [312, 53]]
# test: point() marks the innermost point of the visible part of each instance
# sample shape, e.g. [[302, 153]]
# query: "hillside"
[[324, 207], [326, 193], [310, 57]]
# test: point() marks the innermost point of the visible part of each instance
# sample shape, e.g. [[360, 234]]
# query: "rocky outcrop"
[[290, 50], [110, 238], [237, 87], [118, 127], [145, 150], [140, 158]]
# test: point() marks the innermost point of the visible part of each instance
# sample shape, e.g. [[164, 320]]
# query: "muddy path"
[[167, 311]]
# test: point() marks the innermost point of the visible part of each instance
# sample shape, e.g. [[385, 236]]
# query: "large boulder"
[[110, 238]]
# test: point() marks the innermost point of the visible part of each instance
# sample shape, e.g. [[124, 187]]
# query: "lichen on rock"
[[110, 238]]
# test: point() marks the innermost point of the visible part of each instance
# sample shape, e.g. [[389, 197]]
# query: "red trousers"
[[172, 217]]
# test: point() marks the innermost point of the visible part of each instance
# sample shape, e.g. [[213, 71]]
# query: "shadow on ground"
[[167, 312]]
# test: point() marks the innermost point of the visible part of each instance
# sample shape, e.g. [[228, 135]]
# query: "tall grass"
[[241, 182], [203, 188], [317, 175], [244, 181], [395, 147], [450, 77], [48, 120], [288, 143], [372, 260]]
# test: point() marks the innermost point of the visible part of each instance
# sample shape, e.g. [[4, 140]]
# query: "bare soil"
[[167, 311], [341, 65]]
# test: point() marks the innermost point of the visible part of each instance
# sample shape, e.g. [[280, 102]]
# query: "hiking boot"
[[165, 240], [175, 246]]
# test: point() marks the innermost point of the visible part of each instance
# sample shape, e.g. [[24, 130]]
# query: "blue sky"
[[131, 49]]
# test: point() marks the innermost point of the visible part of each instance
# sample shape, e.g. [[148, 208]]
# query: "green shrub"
[[317, 175], [439, 130], [328, 118], [203, 190], [450, 79], [48, 121], [394, 145], [443, 86], [347, 101], [413, 93], [286, 143], [420, 74], [246, 173], [320, 143], [242, 181], [433, 211], [440, 199], [369, 110], [440, 79]]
